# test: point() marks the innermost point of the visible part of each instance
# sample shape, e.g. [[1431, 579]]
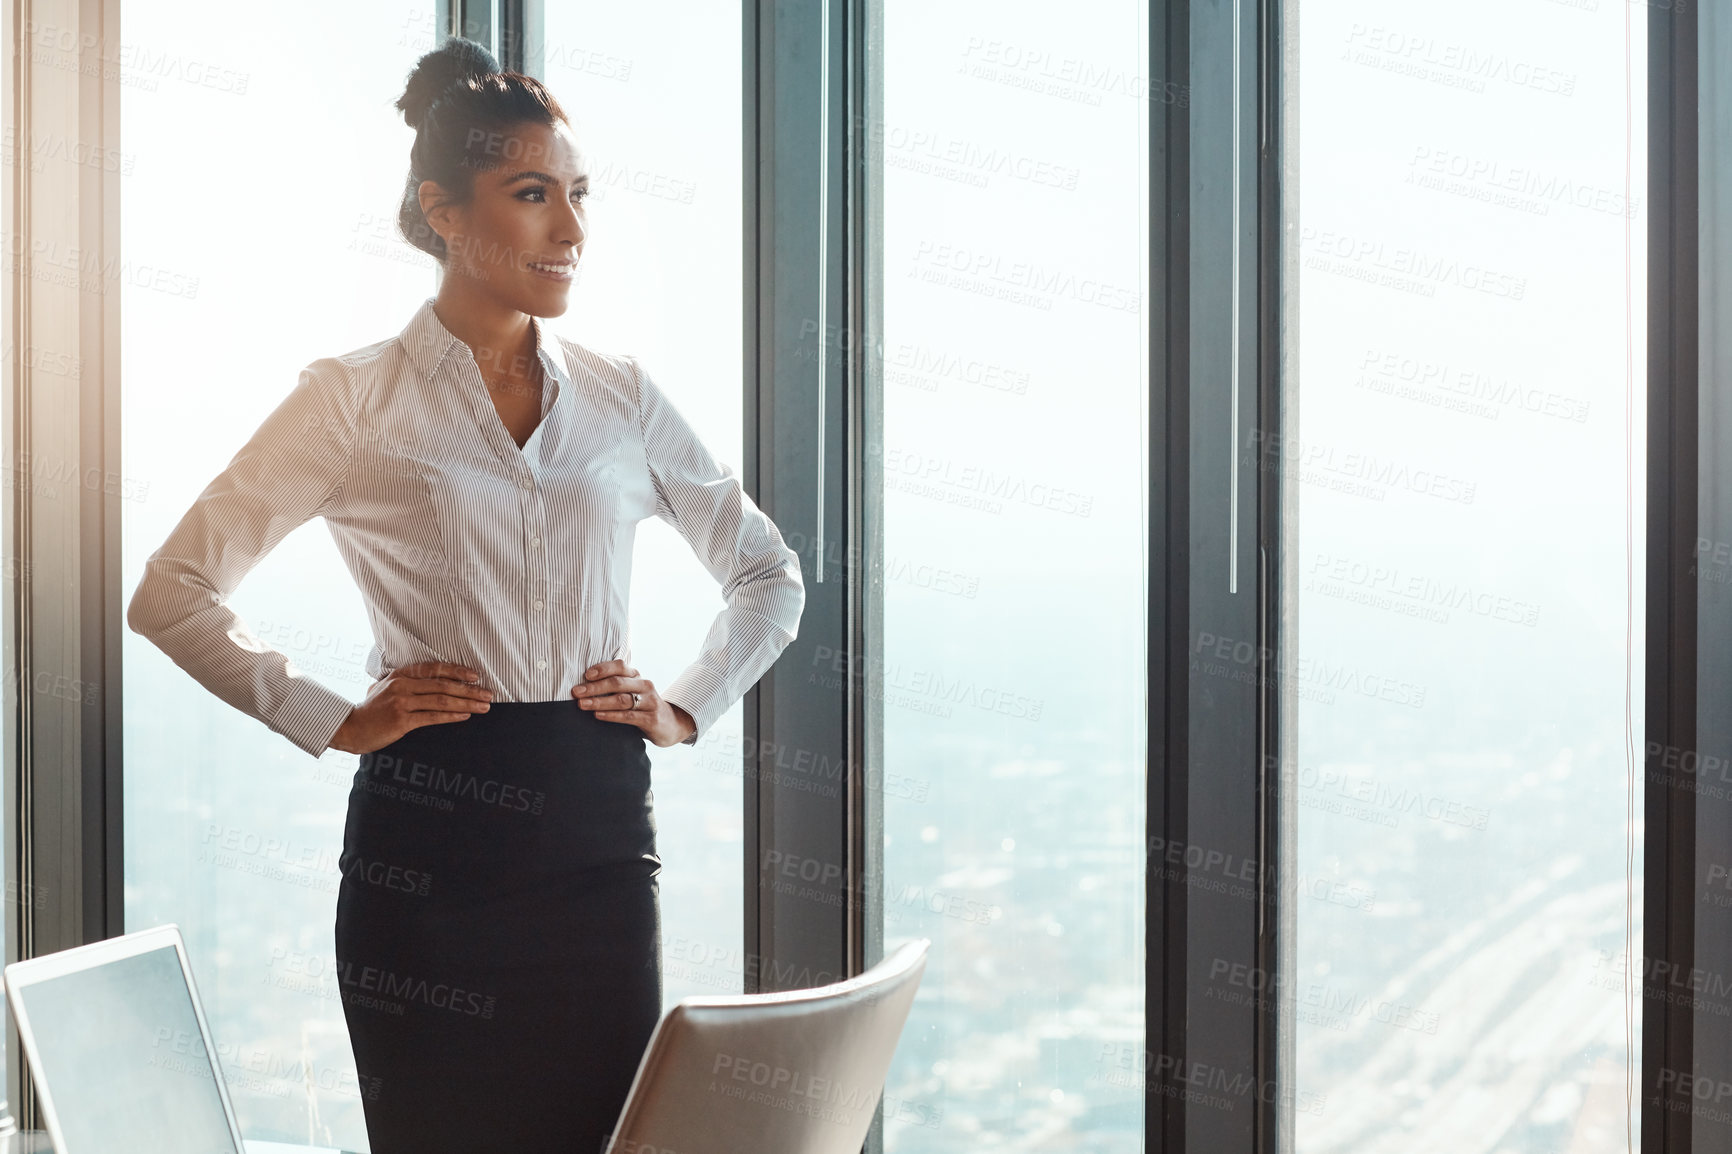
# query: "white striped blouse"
[[516, 562]]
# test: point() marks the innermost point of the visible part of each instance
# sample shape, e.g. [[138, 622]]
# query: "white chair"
[[796, 1072]]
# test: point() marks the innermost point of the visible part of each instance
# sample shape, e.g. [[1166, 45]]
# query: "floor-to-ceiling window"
[[1014, 472], [1463, 465]]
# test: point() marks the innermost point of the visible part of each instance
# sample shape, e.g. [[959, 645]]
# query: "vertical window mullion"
[[1214, 580], [799, 767]]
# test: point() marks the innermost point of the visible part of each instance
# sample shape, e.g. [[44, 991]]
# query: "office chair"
[[796, 1072]]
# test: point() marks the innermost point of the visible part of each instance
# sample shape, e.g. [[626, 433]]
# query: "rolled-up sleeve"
[[740, 546], [290, 470]]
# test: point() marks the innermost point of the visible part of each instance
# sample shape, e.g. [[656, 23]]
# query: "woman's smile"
[[560, 270]]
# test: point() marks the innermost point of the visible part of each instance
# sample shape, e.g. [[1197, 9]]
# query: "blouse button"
[[535, 542], [541, 663], [538, 605], [528, 483]]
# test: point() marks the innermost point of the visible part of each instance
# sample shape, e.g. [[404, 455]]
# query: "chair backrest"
[[796, 1072]]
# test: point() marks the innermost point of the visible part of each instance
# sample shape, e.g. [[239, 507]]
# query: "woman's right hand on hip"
[[425, 693]]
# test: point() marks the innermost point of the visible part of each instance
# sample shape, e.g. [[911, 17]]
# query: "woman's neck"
[[501, 338]]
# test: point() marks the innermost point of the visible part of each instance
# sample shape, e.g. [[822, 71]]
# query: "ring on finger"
[[635, 698]]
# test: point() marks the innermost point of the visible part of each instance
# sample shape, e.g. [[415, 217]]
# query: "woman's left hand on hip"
[[613, 691]]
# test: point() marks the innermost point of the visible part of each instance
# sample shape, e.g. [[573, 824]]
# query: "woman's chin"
[[550, 297]]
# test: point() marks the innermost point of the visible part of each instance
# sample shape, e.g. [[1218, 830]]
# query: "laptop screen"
[[124, 1061]]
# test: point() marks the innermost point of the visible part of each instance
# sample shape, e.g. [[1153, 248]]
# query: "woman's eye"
[[537, 194]]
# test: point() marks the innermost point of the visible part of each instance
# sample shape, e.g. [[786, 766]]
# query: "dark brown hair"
[[461, 106]]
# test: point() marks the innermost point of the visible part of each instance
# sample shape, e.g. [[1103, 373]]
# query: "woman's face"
[[521, 234]]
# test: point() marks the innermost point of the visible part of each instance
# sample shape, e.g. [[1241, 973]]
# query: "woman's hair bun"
[[452, 63], [460, 103]]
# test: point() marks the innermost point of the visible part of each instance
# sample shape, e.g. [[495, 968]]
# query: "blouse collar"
[[428, 342]]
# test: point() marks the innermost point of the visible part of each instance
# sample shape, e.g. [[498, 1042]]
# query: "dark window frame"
[[1675, 633], [1214, 744]]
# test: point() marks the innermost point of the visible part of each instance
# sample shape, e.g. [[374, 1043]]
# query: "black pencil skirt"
[[498, 934]]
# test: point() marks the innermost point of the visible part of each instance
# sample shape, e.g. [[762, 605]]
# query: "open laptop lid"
[[120, 1048]]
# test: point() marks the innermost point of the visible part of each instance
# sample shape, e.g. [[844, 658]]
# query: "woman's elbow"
[[152, 609], [781, 592]]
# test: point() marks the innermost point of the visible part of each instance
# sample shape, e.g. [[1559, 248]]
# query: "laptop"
[[121, 1051]]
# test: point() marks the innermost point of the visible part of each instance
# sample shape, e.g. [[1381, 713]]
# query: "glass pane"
[[661, 277], [1014, 241], [1463, 462], [266, 165]]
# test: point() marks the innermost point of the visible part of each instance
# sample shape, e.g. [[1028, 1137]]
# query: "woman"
[[498, 926]]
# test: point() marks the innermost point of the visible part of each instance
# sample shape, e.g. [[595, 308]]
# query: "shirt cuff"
[[311, 714], [701, 692]]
